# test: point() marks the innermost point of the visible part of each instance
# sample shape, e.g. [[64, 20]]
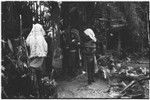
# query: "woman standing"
[[89, 53], [38, 52]]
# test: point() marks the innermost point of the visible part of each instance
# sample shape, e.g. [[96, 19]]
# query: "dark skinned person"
[[89, 49], [48, 59], [74, 51], [64, 46]]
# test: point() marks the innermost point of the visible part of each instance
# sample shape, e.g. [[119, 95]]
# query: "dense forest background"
[[117, 25]]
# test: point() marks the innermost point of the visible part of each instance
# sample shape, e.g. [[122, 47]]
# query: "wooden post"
[[23, 41], [39, 7], [36, 10], [148, 18], [119, 43], [21, 25], [108, 25]]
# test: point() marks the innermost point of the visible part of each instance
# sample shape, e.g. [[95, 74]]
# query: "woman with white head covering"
[[36, 42], [89, 53], [38, 52]]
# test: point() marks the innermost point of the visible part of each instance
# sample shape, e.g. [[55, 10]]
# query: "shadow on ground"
[[78, 88]]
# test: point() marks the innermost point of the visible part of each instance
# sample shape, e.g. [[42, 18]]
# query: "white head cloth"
[[36, 42], [89, 32]]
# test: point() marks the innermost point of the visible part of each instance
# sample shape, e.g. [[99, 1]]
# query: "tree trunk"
[[142, 45], [148, 28], [119, 44]]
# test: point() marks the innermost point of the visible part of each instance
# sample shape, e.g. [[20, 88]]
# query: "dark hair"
[[35, 20]]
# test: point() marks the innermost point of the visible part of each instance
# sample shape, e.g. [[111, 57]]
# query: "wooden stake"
[[21, 25]]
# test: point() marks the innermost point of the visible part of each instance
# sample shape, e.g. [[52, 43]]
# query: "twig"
[[133, 82]]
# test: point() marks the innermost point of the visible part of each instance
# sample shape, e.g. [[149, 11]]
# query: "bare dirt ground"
[[78, 88]]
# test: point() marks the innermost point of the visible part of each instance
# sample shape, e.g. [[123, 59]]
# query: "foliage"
[[124, 80], [131, 16]]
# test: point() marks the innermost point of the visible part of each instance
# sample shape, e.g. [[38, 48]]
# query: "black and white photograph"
[[75, 49]]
